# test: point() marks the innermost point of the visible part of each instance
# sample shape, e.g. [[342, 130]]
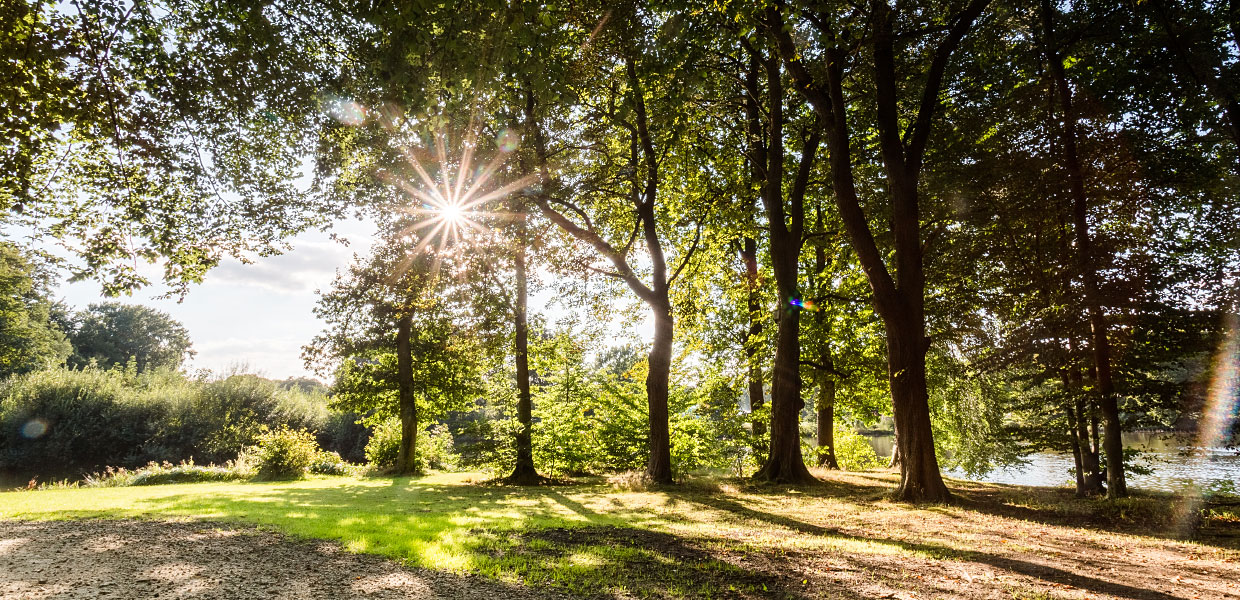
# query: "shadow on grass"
[[938, 551], [582, 540]]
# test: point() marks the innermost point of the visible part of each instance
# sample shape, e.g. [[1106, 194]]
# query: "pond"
[[1164, 454]]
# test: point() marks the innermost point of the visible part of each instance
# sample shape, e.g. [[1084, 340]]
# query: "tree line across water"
[[1014, 220]]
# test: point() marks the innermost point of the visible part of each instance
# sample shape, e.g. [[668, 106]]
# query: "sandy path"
[[152, 559]]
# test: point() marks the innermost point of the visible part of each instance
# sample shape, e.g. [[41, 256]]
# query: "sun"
[[453, 213], [450, 204]]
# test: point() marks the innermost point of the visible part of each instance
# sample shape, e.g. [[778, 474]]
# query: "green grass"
[[582, 538], [691, 540]]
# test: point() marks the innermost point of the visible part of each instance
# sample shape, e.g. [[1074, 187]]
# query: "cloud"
[[309, 265], [278, 358]]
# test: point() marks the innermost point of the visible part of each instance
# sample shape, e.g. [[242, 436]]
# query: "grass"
[[700, 540]]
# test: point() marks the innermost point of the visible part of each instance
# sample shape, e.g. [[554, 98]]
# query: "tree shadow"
[[1042, 572]]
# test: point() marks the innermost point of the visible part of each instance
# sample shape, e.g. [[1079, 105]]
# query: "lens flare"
[[34, 429], [1220, 412], [803, 304], [451, 202]]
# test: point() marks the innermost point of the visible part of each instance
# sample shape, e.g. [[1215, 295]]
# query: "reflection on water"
[[1172, 468]]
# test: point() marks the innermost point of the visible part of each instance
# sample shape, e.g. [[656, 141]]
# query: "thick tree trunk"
[[826, 421], [1116, 485], [659, 469], [785, 464], [785, 225], [523, 472], [920, 480], [406, 457]]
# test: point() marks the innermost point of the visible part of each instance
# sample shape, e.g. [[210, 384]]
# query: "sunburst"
[[449, 207]]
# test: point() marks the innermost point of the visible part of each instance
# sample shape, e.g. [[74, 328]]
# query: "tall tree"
[[113, 333], [29, 339], [899, 297], [785, 214], [623, 170]]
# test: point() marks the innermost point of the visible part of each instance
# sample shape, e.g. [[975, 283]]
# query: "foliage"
[[384, 444], [28, 338], [144, 132], [435, 447], [285, 453], [854, 452], [112, 334], [63, 422]]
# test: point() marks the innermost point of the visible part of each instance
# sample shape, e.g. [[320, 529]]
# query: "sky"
[[254, 318]]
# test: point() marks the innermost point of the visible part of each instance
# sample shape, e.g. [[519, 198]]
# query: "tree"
[[392, 339], [112, 333], [623, 167], [29, 340], [137, 131], [899, 297], [785, 215]]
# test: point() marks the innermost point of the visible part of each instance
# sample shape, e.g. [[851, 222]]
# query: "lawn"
[[842, 538]]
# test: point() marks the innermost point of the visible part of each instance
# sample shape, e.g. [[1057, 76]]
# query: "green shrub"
[[64, 423], [328, 463], [434, 447], [285, 453], [384, 444], [854, 452], [161, 473]]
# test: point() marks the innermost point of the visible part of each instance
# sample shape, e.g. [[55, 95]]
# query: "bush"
[[384, 444], [64, 423], [854, 452], [285, 453], [434, 447], [328, 463], [161, 473]]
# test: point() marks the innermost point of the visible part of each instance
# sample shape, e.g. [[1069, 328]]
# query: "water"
[[1172, 468]]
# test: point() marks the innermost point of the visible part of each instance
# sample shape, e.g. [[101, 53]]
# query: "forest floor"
[[454, 537]]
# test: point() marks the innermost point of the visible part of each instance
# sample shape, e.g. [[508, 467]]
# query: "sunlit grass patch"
[[725, 537]]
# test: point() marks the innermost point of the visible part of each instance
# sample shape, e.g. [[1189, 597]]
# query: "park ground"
[[454, 536]]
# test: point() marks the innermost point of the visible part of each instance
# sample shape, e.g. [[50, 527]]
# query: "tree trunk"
[[826, 367], [784, 463], [523, 472], [659, 469], [406, 457], [1089, 452], [757, 397], [1077, 458], [1116, 485], [920, 480], [826, 421]]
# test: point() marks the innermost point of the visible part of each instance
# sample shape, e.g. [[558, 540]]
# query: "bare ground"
[[157, 559]]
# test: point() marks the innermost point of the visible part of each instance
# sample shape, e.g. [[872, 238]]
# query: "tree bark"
[[523, 472], [757, 397], [406, 457], [659, 469], [1116, 485], [785, 225], [826, 421]]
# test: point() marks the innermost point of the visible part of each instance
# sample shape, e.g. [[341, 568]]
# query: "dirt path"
[[153, 559]]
